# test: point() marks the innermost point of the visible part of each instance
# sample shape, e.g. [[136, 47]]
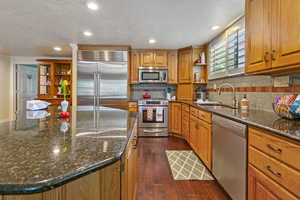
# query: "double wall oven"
[[153, 118]]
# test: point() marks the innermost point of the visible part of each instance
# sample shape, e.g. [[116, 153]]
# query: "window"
[[227, 52]]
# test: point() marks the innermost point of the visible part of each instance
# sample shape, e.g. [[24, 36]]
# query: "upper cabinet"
[[172, 67], [185, 64], [135, 63], [273, 42], [147, 58], [258, 35], [158, 58], [285, 34]]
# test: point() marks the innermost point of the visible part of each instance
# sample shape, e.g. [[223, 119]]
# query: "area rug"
[[185, 165]]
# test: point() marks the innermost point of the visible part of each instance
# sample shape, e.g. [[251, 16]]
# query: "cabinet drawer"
[[279, 172], [185, 108], [276, 147], [205, 116], [194, 111], [261, 187]]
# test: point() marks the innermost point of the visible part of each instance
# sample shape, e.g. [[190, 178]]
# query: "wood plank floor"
[[155, 181]]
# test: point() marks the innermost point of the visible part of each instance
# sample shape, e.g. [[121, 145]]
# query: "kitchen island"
[[84, 157]]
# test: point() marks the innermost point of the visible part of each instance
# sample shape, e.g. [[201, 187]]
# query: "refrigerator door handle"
[[98, 89], [95, 88]]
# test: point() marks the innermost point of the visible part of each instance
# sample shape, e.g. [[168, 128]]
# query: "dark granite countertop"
[[258, 118], [39, 154]]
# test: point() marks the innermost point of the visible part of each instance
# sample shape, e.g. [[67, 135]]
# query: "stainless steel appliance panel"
[[154, 123], [153, 75], [229, 156], [113, 80], [87, 83]]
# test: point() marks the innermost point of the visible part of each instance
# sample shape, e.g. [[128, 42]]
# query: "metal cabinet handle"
[[273, 55], [274, 172], [277, 150], [266, 57]]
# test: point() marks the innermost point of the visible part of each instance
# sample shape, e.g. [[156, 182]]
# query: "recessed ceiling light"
[[87, 33], [57, 48], [152, 41], [215, 27], [92, 5]]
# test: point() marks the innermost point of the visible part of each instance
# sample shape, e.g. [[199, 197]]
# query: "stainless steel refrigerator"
[[102, 78]]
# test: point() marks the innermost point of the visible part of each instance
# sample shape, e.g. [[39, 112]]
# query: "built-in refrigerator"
[[102, 78]]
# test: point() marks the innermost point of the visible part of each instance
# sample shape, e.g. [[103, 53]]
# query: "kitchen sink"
[[217, 105]]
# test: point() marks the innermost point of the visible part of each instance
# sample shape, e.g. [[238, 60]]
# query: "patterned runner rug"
[[185, 165]]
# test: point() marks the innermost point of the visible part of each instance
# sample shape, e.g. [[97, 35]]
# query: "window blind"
[[227, 52]]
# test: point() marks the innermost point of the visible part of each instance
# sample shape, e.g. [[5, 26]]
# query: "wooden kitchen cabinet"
[[147, 58], [161, 58], [157, 58], [133, 106], [273, 42], [273, 171], [185, 122], [204, 143], [134, 67], [185, 65], [261, 187], [185, 92], [285, 33], [175, 118], [258, 35], [194, 136], [172, 67], [200, 139], [129, 169]]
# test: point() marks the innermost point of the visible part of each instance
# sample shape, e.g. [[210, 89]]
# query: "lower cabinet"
[[175, 118], [185, 125], [129, 169], [100, 185], [200, 139], [261, 187], [273, 167], [204, 143]]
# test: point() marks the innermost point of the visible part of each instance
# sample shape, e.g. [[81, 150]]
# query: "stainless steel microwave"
[[153, 74]]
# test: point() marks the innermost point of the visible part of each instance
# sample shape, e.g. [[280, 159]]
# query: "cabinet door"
[[286, 29], [204, 142], [258, 35], [185, 66], [185, 125], [261, 187], [176, 117], [161, 58], [185, 92], [172, 67], [193, 132], [134, 69], [147, 58]]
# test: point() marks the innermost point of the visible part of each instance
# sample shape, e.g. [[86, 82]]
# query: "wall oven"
[[153, 74], [153, 118]]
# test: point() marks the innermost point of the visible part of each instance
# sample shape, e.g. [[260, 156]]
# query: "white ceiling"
[[33, 27]]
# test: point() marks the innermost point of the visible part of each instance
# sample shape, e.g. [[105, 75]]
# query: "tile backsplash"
[[259, 90], [156, 90]]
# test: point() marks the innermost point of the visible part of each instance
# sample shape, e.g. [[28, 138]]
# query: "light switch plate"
[[281, 81]]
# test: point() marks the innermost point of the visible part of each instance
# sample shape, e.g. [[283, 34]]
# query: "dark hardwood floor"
[[155, 181]]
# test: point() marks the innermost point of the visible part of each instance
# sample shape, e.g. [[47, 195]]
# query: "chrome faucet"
[[234, 100]]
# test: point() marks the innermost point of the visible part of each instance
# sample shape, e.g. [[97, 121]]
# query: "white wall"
[[5, 88]]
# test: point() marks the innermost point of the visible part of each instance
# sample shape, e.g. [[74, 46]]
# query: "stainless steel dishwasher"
[[229, 156]]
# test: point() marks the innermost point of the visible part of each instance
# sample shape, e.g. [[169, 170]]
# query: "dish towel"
[[149, 114], [159, 114]]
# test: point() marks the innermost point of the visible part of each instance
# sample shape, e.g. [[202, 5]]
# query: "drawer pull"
[[277, 150], [273, 172]]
